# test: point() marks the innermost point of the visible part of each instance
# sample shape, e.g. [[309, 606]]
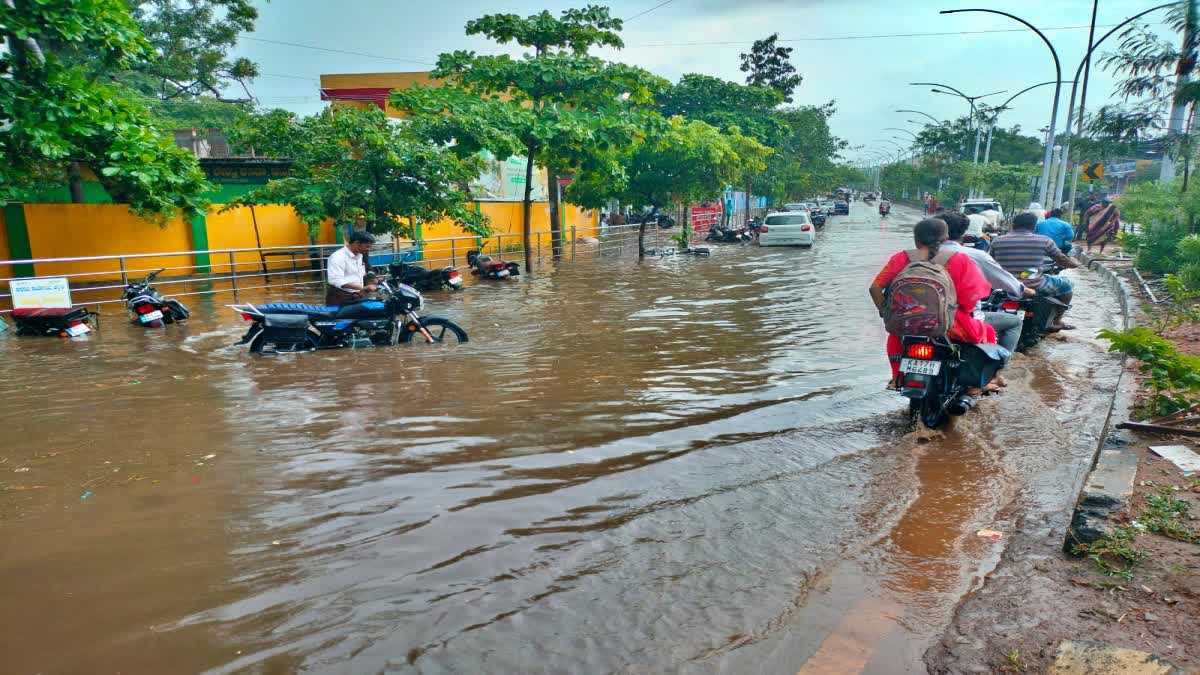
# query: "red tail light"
[[454, 274], [914, 384], [145, 309], [247, 317], [763, 229], [805, 228], [1010, 305], [920, 350], [74, 323]]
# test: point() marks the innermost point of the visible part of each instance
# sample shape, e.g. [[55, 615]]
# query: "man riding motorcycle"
[[1023, 249]]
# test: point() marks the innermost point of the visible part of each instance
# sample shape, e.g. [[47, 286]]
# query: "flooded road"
[[681, 464]]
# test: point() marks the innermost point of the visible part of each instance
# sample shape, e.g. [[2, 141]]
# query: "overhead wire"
[[644, 13], [336, 51]]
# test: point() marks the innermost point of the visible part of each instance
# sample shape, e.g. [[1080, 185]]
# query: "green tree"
[[769, 65], [557, 105], [955, 140], [354, 165], [55, 116]]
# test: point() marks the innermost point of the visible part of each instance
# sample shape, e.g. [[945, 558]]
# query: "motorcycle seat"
[[327, 311], [45, 312]]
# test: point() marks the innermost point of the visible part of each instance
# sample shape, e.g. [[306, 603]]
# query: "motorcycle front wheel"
[[440, 329]]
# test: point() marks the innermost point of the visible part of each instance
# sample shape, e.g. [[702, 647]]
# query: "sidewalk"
[[1133, 604]]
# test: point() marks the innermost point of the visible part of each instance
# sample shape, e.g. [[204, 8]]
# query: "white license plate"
[[152, 316], [920, 367], [81, 329]]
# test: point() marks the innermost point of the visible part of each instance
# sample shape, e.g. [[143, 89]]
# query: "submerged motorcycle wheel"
[[929, 410], [441, 330]]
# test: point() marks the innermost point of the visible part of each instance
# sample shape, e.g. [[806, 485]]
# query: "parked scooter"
[[487, 268], [730, 234], [426, 280], [56, 321], [293, 327], [148, 307]]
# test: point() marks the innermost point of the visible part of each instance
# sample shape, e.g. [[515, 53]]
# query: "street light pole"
[[1001, 108], [1046, 157], [936, 121]]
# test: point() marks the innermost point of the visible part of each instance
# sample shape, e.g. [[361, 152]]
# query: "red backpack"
[[921, 299]]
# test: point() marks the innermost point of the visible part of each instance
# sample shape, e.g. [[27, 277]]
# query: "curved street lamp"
[[1048, 155], [987, 153], [904, 130], [1075, 86], [936, 121], [970, 101]]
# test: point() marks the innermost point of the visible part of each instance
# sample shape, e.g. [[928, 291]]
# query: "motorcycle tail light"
[[915, 384], [1010, 305], [920, 350], [145, 309], [455, 275], [247, 317]]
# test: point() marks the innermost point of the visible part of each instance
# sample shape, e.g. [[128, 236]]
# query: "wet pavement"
[[681, 464]]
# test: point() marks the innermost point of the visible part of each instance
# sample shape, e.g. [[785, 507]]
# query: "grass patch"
[[1114, 554], [1165, 515], [1014, 663]]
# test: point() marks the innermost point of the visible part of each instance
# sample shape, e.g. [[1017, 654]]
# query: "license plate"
[[81, 329], [152, 316], [920, 367]]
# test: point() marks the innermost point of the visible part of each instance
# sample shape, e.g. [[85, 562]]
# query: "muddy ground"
[[1038, 596]]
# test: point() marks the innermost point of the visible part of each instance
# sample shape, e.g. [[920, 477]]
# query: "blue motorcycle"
[[390, 320]]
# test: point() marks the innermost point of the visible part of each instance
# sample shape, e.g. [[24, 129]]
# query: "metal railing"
[[240, 270]]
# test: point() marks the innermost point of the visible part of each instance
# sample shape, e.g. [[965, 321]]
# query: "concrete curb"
[[1109, 485]]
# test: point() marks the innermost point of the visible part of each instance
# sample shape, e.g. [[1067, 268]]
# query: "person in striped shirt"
[[1023, 249]]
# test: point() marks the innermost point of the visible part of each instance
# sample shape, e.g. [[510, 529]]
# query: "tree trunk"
[[642, 240], [686, 225], [75, 182], [528, 208], [555, 220], [747, 202]]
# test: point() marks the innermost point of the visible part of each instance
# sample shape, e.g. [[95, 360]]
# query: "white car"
[[787, 228]]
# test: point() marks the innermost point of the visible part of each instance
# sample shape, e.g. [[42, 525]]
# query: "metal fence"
[[241, 270]]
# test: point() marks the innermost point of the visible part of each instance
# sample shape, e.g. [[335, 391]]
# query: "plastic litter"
[[994, 535], [1179, 455], [22, 469], [86, 494]]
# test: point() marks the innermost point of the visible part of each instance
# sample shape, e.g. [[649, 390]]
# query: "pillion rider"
[[346, 272]]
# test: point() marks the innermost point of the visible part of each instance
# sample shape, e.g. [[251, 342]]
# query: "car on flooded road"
[[787, 228]]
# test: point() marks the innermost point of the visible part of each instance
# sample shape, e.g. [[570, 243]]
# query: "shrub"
[[1174, 377], [1157, 244]]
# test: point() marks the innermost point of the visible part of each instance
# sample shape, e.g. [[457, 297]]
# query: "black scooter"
[[484, 266], [426, 280], [730, 234], [148, 307], [1036, 313]]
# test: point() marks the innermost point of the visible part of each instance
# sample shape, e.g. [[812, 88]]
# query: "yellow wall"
[[277, 226], [78, 230], [506, 220]]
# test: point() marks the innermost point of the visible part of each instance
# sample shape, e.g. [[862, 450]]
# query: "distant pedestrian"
[[1103, 225], [933, 205]]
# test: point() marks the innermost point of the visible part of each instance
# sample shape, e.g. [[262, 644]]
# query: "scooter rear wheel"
[[932, 412]]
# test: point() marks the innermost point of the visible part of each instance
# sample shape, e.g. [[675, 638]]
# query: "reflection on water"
[[631, 465]]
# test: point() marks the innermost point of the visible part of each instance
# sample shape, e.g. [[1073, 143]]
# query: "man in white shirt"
[[977, 222], [993, 218], [1008, 326], [346, 271]]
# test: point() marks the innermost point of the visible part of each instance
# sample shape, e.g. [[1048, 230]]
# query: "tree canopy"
[[54, 114], [354, 165], [769, 65]]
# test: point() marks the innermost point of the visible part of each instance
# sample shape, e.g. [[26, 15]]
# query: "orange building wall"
[[277, 226], [80, 230]]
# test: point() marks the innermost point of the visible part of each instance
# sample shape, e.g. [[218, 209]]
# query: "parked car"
[[798, 206], [983, 204], [787, 228], [841, 208]]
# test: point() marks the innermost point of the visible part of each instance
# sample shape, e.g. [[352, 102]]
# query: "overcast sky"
[[867, 76]]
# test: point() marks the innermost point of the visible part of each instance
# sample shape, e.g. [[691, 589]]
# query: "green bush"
[[1174, 377], [1157, 247]]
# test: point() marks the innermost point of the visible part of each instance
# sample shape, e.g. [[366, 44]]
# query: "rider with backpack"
[[931, 292]]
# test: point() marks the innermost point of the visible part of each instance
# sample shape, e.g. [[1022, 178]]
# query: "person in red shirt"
[[969, 285], [933, 205]]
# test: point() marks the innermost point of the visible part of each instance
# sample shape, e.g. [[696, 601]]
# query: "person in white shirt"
[[993, 218], [977, 222], [346, 271]]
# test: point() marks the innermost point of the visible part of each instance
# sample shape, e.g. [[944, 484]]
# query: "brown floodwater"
[[683, 464]]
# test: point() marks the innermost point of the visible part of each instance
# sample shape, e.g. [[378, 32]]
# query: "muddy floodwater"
[[678, 465]]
